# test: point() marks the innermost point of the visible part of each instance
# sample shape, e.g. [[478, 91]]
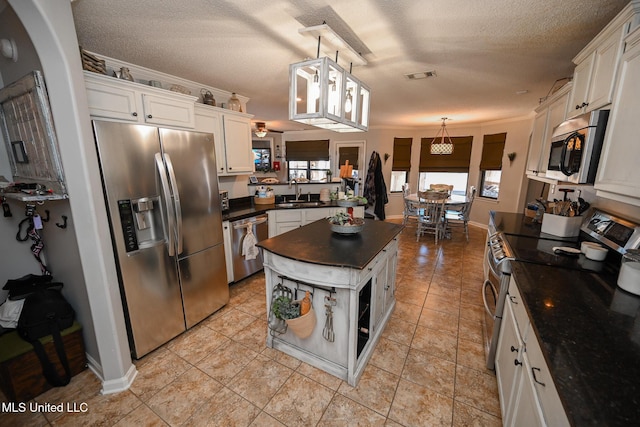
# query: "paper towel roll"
[[629, 277]]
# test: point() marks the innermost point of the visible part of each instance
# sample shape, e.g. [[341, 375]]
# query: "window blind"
[[402, 154], [458, 161], [307, 150], [492, 150]]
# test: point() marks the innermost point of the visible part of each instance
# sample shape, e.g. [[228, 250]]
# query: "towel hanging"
[[249, 248]]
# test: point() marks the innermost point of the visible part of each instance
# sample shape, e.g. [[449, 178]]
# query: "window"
[[457, 179], [491, 165], [401, 163], [308, 159], [452, 169]]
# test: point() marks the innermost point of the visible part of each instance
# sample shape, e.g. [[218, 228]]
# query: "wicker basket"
[[264, 200], [303, 326]]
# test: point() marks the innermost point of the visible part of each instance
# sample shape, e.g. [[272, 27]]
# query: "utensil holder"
[[561, 226]]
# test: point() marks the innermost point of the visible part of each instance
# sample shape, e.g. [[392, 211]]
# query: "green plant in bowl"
[[284, 308]]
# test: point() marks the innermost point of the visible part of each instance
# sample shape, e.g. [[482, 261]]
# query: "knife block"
[[561, 226]]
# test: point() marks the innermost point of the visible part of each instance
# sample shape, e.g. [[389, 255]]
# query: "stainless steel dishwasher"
[[243, 267]]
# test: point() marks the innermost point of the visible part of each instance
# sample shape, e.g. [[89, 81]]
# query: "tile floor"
[[427, 369]]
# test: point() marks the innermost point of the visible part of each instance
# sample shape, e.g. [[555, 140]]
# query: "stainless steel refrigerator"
[[162, 193]]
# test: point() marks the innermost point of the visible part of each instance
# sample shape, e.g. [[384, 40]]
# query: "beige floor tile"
[[470, 330], [260, 380], [345, 412], [141, 416], [440, 344], [300, 402], [419, 406], [399, 330], [471, 354], [282, 358], [411, 295], [197, 343], [180, 399], [448, 290], [407, 312], [319, 375], [18, 417], [440, 303], [254, 335], [375, 389], [439, 320], [225, 408], [266, 420], [478, 389], [471, 312], [468, 416], [230, 323], [155, 371], [389, 355], [103, 410], [225, 363], [430, 371]]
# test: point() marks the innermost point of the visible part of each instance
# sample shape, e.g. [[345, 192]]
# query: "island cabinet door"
[[379, 285]]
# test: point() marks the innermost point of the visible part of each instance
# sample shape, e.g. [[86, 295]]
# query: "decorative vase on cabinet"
[[234, 103]]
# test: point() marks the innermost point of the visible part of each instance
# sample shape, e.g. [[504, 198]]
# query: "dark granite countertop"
[[589, 332], [315, 243], [245, 208]]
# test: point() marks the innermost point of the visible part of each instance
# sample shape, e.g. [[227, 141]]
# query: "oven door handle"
[[484, 297], [490, 263]]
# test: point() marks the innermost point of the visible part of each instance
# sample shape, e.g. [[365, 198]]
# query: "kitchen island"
[[351, 279]]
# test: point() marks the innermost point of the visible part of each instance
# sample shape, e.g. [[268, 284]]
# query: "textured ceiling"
[[483, 51]]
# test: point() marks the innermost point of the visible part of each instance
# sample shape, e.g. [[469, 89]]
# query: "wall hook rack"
[[64, 222], [47, 216]]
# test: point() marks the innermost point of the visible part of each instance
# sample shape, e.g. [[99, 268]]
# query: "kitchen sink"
[[293, 204]]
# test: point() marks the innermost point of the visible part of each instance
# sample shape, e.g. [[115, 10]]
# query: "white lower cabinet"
[[528, 396], [283, 220]]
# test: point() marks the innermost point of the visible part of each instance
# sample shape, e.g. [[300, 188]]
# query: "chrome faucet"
[[298, 191]]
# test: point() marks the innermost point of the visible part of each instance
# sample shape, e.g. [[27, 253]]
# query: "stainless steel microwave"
[[576, 145]]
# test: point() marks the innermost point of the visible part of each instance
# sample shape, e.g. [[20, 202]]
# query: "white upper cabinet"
[[548, 116], [232, 138], [237, 137], [133, 102], [596, 65], [618, 173]]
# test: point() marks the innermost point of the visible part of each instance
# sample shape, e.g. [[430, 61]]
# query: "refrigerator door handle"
[[176, 202], [167, 200]]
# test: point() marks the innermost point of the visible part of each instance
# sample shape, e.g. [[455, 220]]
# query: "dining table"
[[454, 200]]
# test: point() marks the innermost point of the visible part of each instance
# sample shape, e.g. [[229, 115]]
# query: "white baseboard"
[[115, 385]]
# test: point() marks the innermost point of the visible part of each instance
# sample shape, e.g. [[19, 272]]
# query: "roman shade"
[[308, 150], [458, 161], [402, 154], [492, 149]]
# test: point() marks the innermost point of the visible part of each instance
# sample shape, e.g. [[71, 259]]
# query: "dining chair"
[[460, 218], [410, 212], [431, 214]]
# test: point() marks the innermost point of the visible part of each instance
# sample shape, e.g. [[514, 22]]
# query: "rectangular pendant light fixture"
[[323, 94]]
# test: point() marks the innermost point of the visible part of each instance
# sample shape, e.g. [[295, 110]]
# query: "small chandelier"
[[442, 147], [261, 130]]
